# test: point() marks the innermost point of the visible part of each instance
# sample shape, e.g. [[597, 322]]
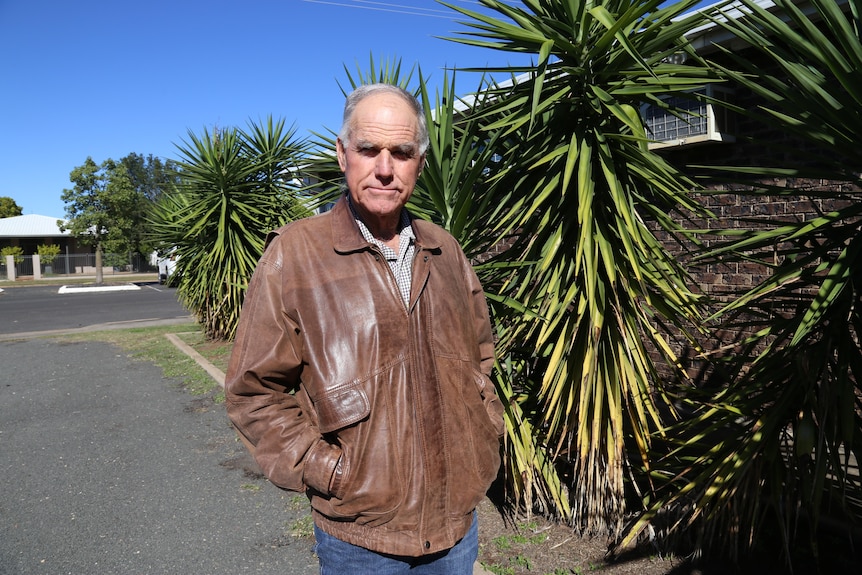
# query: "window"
[[694, 121]]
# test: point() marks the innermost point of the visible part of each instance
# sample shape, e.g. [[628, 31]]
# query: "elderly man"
[[360, 368]]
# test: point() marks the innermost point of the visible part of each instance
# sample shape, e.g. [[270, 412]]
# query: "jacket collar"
[[346, 236]]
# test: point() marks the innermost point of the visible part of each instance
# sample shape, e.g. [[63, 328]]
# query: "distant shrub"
[[48, 253], [14, 251]]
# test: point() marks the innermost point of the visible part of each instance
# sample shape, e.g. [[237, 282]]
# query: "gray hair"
[[363, 92]]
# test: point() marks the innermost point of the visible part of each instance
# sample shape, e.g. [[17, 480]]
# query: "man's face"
[[381, 162]]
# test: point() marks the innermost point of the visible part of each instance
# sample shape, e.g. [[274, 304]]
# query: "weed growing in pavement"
[[516, 549], [302, 527], [520, 562], [502, 542], [506, 542], [499, 570], [297, 502]]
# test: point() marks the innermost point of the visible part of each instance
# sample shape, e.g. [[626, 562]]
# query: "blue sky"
[[104, 78]]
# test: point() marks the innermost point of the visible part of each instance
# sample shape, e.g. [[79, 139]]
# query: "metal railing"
[[78, 264]]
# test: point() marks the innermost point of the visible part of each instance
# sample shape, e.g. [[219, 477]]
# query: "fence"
[[78, 264]]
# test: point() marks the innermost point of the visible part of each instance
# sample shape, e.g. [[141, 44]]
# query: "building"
[[32, 230]]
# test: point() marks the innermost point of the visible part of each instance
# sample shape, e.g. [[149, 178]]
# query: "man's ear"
[[339, 151]]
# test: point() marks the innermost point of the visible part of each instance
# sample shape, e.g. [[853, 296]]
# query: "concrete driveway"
[[109, 467]]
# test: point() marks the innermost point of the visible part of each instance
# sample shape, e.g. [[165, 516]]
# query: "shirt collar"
[[405, 230]]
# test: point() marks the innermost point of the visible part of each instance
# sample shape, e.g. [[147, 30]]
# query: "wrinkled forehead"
[[385, 121]]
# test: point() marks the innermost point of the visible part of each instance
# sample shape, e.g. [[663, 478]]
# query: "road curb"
[[89, 289], [213, 371], [127, 324]]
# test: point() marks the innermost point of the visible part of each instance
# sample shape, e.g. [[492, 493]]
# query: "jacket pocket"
[[341, 407], [369, 483], [476, 441]]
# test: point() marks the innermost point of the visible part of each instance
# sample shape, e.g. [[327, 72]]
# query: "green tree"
[[8, 208], [150, 177], [234, 187], [591, 287], [456, 190], [103, 209], [88, 208]]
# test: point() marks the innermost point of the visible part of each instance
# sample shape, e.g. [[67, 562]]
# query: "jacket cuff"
[[492, 403], [320, 464], [495, 411]]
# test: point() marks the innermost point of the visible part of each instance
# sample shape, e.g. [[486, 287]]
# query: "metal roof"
[[30, 226]]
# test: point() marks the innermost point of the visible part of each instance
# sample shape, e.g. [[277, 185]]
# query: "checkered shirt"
[[400, 263]]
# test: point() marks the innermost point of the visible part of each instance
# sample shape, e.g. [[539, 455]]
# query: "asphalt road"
[[108, 467], [37, 309]]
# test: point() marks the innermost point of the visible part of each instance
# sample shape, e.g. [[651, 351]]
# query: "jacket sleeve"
[[263, 397], [485, 337]]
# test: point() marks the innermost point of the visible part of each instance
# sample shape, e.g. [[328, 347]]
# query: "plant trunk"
[[99, 277]]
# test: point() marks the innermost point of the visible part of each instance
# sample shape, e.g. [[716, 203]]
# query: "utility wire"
[[397, 8], [383, 7]]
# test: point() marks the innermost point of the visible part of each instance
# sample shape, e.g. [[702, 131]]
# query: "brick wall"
[[758, 144], [736, 205]]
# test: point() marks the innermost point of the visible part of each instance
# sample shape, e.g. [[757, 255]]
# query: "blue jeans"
[[338, 558]]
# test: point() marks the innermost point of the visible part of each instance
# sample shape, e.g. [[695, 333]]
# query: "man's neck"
[[385, 230]]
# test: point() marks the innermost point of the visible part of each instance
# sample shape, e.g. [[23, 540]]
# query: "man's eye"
[[406, 153]]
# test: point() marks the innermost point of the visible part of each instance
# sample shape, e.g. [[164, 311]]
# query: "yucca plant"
[[234, 187], [457, 190], [774, 450], [586, 194]]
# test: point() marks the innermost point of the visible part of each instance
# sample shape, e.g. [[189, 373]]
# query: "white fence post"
[[37, 269], [10, 268]]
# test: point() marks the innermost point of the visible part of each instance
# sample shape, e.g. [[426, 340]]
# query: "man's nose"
[[383, 167]]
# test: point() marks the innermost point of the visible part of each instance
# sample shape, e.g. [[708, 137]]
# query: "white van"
[[167, 265]]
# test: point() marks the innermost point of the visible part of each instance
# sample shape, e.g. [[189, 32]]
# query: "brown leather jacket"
[[385, 416]]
